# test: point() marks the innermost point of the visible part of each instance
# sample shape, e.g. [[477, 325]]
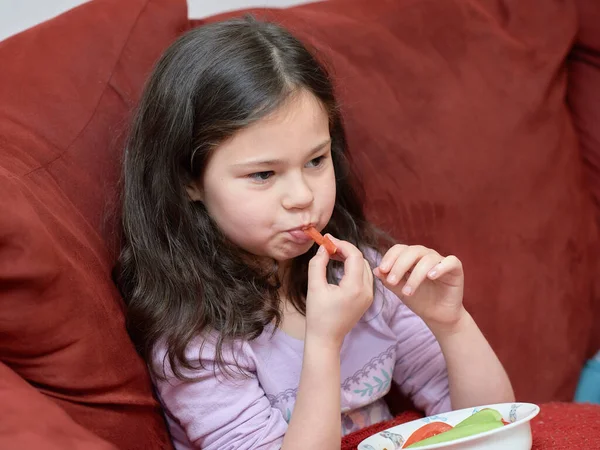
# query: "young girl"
[[255, 338]]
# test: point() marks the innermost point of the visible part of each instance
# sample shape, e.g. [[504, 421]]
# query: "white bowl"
[[514, 436]]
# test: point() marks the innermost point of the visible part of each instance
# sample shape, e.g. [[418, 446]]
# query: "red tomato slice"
[[427, 431]]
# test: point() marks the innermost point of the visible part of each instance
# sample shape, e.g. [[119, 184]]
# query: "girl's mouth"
[[298, 236]]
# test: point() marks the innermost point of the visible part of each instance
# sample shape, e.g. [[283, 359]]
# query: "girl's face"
[[272, 179]]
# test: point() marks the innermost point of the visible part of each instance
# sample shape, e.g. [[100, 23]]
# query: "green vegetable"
[[458, 433], [483, 416]]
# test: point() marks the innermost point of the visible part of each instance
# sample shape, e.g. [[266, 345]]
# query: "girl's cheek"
[[250, 212], [330, 195]]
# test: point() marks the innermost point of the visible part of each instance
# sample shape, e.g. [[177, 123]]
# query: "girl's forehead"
[[297, 127]]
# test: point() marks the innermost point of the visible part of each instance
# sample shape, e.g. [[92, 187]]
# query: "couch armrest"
[[28, 419]]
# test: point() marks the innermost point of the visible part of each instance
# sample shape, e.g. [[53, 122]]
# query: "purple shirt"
[[390, 343]]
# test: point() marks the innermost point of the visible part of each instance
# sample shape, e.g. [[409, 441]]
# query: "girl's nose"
[[298, 194]]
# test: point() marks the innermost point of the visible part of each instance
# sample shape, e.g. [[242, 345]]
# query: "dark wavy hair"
[[178, 274]]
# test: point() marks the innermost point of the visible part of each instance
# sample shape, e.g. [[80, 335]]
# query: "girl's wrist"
[[443, 330], [322, 343]]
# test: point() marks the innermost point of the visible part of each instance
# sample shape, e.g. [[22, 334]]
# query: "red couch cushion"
[[32, 421], [584, 100], [584, 89], [66, 90], [457, 124]]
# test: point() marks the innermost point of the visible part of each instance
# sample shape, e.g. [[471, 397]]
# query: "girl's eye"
[[261, 176], [316, 162]]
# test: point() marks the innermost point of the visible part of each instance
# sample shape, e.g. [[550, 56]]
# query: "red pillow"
[[32, 421], [457, 124], [66, 90], [584, 100]]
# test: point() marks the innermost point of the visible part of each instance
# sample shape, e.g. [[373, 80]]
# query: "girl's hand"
[[332, 311], [429, 284]]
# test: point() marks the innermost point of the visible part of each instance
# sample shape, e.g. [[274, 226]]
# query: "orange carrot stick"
[[320, 240]]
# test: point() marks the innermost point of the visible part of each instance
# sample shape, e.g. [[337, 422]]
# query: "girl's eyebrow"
[[272, 162]]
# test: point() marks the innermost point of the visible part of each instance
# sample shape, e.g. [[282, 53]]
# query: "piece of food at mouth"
[[320, 240]]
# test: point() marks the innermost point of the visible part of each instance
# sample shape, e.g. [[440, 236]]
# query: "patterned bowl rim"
[[535, 410]]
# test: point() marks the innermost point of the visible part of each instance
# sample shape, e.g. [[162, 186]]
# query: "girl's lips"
[[298, 236]]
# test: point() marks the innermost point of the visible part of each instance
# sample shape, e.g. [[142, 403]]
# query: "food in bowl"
[[489, 427], [425, 432], [437, 432]]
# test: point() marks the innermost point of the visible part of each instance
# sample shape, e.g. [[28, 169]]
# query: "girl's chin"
[[285, 254]]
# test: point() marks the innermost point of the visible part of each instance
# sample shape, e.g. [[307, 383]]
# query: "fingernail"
[[321, 249], [407, 290], [392, 278], [433, 273]]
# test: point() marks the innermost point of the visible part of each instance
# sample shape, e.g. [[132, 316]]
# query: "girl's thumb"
[[317, 268]]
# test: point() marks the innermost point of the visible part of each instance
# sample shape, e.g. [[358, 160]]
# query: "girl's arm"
[[221, 408], [475, 375], [331, 311], [432, 287], [316, 420]]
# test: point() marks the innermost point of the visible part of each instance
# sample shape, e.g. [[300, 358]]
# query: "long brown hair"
[[178, 274]]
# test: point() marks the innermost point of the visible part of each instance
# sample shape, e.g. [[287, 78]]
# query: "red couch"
[[472, 124]]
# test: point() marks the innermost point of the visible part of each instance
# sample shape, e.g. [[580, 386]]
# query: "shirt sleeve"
[[219, 410], [420, 370]]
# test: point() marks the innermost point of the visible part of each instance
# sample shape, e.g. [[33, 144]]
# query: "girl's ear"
[[194, 191]]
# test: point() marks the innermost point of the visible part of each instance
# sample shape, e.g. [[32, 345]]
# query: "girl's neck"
[[293, 323], [284, 275]]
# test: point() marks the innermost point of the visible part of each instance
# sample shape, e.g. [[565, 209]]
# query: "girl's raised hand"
[[429, 284], [332, 311]]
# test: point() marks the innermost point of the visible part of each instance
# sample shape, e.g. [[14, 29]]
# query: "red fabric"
[[559, 426], [66, 90], [584, 89], [584, 100], [458, 126], [32, 421]]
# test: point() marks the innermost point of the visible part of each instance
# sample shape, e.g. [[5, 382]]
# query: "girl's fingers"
[[337, 256], [344, 248], [404, 262], [420, 272], [449, 265], [390, 257], [353, 262], [377, 272], [317, 269]]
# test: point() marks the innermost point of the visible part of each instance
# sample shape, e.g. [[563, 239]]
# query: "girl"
[[254, 337]]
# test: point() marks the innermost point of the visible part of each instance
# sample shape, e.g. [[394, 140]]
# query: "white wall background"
[[18, 15]]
